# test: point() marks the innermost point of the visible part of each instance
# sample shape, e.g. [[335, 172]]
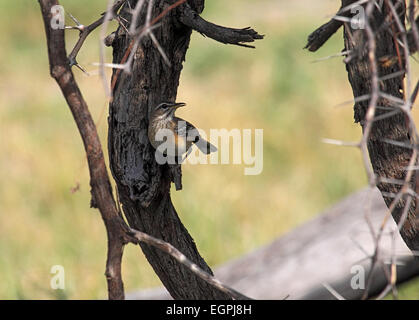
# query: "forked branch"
[[86, 30]]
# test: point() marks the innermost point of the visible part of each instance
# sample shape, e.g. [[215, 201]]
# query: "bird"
[[184, 134]]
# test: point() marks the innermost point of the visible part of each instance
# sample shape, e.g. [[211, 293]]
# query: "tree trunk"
[[143, 185], [388, 160]]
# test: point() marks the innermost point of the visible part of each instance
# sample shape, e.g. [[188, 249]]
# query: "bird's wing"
[[186, 129]]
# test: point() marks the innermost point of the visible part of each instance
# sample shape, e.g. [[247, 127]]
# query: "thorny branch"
[[406, 43], [191, 19], [323, 33], [86, 30], [125, 63], [118, 232], [102, 197], [179, 256]]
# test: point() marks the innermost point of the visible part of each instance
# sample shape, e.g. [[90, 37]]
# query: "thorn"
[[414, 94], [121, 24], [74, 19], [333, 291], [74, 28], [341, 143], [82, 69], [122, 18]]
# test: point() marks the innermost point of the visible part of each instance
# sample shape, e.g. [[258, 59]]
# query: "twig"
[[414, 32], [138, 33], [320, 36], [179, 256], [86, 30], [333, 291]]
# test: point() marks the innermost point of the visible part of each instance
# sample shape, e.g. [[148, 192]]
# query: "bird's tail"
[[205, 146]]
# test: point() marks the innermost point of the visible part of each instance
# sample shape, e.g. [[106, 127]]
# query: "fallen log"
[[321, 252]]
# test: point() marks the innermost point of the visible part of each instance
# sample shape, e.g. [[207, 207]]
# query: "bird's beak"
[[179, 105]]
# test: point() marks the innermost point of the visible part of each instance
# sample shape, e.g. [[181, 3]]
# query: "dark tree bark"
[[388, 160], [143, 185]]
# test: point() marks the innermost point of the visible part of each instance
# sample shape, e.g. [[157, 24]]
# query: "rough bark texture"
[[143, 185], [388, 160]]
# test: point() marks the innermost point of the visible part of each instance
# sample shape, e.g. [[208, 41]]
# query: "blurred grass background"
[[276, 87]]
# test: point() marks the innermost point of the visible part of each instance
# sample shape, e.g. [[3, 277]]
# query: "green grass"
[[276, 87]]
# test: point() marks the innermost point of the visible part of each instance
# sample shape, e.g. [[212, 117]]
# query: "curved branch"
[[180, 257], [240, 37], [86, 30], [101, 191]]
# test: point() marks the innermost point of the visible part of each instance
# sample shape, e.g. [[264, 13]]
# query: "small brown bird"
[[183, 134]]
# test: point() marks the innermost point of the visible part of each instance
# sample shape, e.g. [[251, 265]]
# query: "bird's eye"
[[164, 106]]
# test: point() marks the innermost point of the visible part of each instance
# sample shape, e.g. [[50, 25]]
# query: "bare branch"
[[102, 197], [86, 30], [221, 34], [320, 36], [179, 256]]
